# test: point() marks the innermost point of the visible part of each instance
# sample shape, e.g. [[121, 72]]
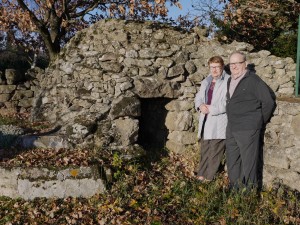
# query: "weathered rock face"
[[111, 78]]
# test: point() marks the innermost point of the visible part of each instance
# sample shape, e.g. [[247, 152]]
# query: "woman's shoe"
[[202, 179]]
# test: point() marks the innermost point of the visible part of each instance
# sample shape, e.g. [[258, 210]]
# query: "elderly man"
[[250, 105]]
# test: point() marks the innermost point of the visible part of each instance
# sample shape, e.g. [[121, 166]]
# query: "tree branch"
[[34, 19], [259, 10]]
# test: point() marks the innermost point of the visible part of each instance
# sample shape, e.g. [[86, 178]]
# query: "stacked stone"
[[94, 89], [105, 71], [278, 73], [16, 92], [282, 145]]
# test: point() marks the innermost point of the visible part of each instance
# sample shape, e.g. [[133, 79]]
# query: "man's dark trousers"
[[243, 156]]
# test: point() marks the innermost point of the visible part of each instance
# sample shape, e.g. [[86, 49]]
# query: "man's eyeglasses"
[[215, 67], [236, 63]]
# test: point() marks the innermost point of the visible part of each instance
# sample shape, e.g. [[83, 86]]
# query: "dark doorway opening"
[[152, 130]]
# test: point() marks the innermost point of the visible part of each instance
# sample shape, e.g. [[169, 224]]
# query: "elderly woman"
[[210, 102]]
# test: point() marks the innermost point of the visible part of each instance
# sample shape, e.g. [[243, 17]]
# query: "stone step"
[[30, 183]]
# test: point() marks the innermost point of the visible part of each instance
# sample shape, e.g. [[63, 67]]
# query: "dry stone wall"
[[282, 145], [17, 90], [97, 89]]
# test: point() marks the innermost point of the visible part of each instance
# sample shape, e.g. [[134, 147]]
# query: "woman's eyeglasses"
[[215, 67]]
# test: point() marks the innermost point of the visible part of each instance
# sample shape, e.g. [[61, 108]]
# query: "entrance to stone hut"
[[153, 132]]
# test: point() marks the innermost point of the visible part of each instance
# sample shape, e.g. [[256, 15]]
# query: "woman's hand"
[[204, 108]]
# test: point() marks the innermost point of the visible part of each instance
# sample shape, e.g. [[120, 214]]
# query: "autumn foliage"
[[56, 21], [266, 24]]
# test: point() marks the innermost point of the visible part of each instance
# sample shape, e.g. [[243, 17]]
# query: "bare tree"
[[208, 12]]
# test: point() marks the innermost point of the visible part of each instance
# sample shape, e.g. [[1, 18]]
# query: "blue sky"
[[175, 11]]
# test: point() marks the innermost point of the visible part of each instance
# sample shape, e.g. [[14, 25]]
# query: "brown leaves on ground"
[[138, 197], [163, 193], [49, 157]]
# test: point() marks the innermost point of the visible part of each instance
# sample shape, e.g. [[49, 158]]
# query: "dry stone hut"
[[124, 84]]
